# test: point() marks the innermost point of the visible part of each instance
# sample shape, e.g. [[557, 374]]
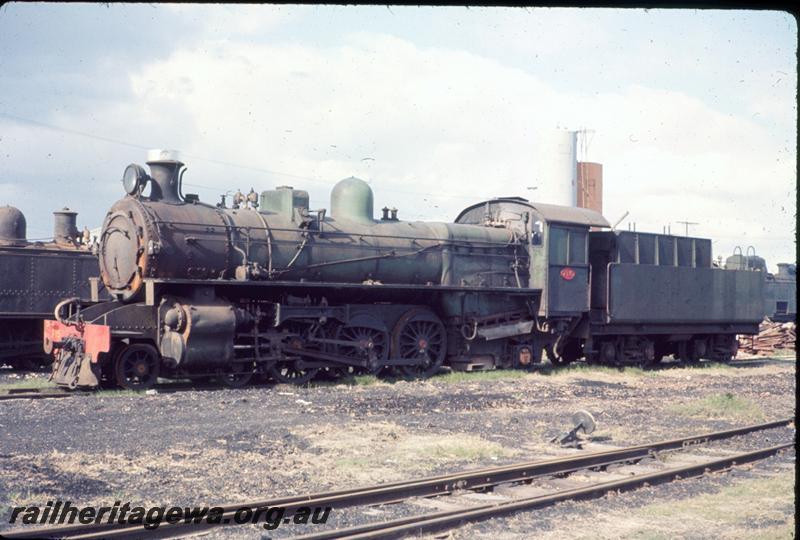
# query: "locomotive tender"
[[34, 277], [275, 288]]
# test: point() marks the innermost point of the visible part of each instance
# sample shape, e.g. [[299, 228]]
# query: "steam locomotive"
[[272, 287], [34, 277], [780, 289]]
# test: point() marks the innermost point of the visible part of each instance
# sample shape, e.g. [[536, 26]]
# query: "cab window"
[[577, 247], [567, 246], [536, 233], [559, 239]]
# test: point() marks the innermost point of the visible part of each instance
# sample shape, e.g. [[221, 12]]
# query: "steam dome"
[[351, 200], [12, 226]]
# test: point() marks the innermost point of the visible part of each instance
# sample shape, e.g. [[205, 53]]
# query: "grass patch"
[[473, 376], [725, 406], [753, 508], [462, 449], [381, 451], [763, 498], [779, 532], [589, 369], [455, 447], [494, 375], [352, 463], [117, 393], [708, 365], [364, 380], [351, 380], [451, 377], [33, 382], [405, 451]]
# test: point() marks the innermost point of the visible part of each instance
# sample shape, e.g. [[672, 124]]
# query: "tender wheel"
[[731, 351], [420, 334], [692, 351], [238, 375], [681, 351], [367, 343], [136, 367], [608, 353], [698, 349], [648, 352], [689, 352]]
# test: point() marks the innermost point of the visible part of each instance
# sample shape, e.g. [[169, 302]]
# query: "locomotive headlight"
[[134, 179]]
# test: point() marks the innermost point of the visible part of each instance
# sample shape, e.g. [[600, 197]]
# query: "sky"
[[692, 113]]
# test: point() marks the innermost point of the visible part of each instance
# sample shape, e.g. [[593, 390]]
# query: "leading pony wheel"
[[286, 372], [136, 366], [238, 375]]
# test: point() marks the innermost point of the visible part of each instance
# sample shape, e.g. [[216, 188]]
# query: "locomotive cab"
[[557, 247]]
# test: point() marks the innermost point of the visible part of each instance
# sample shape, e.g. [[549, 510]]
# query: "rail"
[[435, 486]]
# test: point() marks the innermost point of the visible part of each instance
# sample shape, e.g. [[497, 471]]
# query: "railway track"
[[429, 523], [435, 486], [758, 362], [37, 393]]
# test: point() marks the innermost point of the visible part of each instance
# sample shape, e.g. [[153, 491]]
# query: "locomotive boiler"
[[273, 287], [164, 236]]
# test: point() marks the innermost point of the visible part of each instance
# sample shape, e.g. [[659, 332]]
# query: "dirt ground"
[[191, 447]]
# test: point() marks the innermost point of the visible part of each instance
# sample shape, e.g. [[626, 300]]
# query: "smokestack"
[[165, 170], [65, 229]]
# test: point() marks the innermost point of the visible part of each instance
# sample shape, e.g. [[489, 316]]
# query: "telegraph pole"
[[687, 223]]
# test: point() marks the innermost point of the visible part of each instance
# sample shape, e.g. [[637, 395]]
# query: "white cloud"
[[235, 20], [454, 126], [435, 117]]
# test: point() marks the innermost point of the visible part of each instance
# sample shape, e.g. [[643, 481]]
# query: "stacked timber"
[[772, 337]]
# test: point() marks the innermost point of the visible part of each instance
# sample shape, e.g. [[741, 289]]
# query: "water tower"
[[556, 164]]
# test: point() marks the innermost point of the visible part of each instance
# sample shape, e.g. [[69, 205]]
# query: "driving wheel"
[[420, 335], [365, 343]]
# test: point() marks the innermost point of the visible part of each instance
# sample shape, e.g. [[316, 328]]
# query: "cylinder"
[[65, 229]]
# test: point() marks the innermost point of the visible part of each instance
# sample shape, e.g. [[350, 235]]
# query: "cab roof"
[[551, 212]]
